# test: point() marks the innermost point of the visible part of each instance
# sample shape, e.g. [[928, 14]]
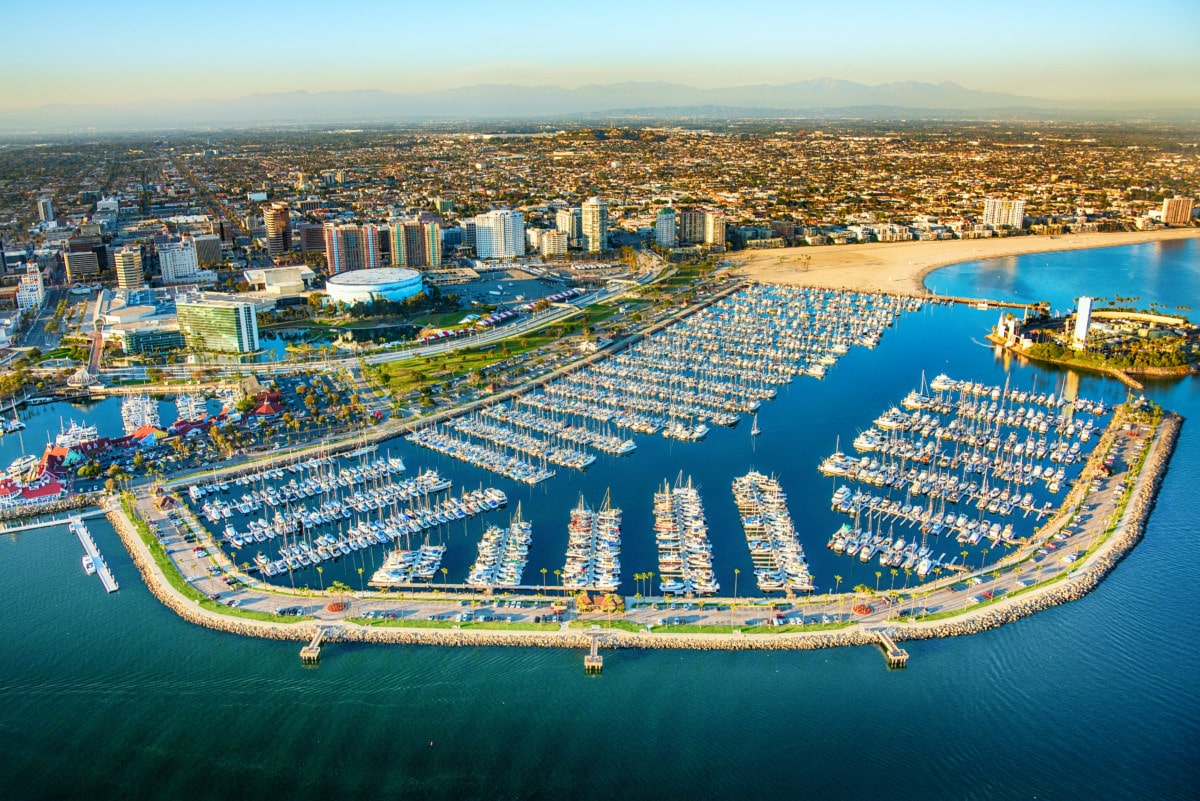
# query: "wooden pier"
[[593, 662], [89, 546], [896, 656]]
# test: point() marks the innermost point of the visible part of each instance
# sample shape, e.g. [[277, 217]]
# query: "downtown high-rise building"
[[500, 234], [691, 226], [664, 228], [179, 262], [1000, 213], [416, 244], [128, 262], [594, 225], [351, 247], [570, 222], [277, 221], [1177, 210], [212, 322]]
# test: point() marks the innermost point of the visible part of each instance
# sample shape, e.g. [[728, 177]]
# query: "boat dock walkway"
[[57, 521], [89, 545], [896, 656]]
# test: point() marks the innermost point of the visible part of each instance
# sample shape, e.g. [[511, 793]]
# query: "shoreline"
[[902, 267], [1126, 534]]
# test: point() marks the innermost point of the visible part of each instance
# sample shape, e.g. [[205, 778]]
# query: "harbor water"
[[112, 695]]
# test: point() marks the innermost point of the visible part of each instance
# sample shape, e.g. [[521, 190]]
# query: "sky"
[[133, 51]]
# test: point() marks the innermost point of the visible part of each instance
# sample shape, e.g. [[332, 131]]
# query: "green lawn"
[[624, 625]]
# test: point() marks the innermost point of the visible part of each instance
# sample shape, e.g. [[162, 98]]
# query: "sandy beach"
[[902, 266]]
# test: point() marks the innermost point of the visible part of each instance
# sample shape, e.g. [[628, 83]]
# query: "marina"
[[959, 460], [503, 553]]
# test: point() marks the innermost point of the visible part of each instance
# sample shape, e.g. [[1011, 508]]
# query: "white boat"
[[89, 566], [75, 435], [755, 430]]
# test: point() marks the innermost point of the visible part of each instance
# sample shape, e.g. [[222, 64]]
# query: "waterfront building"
[[31, 292], [500, 234], [82, 266], [213, 322], [553, 243], [1083, 320], [570, 222], [416, 244], [282, 282], [1000, 213], [365, 286], [1177, 210], [664, 228], [45, 207], [594, 225], [128, 262], [277, 222]]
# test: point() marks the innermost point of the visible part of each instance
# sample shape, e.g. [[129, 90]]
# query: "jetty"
[[56, 521], [80, 530]]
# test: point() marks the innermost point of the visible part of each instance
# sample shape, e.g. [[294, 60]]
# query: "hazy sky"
[[131, 50]]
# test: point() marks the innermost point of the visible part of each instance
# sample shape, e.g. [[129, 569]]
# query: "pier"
[[89, 545], [593, 662], [311, 653], [896, 656]]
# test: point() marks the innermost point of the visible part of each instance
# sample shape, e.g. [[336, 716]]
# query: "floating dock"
[[89, 545]]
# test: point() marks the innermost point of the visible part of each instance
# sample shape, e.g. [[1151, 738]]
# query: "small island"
[[1119, 340]]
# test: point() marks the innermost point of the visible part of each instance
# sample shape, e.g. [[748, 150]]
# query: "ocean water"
[[114, 696]]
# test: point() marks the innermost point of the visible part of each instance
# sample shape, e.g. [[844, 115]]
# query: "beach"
[[902, 266]]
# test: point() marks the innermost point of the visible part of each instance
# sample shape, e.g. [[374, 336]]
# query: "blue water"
[[113, 696]]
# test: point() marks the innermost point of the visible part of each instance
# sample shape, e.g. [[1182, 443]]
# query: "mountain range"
[[824, 97]]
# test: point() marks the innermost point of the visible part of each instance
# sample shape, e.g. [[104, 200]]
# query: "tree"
[[736, 573]]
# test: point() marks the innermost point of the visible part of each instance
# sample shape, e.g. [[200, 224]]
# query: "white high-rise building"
[[664, 228], [1083, 320], [594, 225], [31, 292], [1004, 213], [179, 262], [500, 234]]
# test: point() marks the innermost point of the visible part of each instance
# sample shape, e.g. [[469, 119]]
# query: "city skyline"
[[1071, 52]]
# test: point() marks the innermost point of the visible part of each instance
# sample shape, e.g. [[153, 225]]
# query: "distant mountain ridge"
[[508, 101]]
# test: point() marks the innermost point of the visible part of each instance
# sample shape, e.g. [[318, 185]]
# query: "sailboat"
[[755, 430]]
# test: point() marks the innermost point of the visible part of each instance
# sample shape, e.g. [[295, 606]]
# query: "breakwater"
[[1126, 535]]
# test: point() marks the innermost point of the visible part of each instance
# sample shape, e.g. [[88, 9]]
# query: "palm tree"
[[878, 576], [894, 572], [650, 588], [965, 553], [983, 559], [360, 580], [558, 575], [543, 580], [445, 573], [907, 576], [736, 572], [321, 575]]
